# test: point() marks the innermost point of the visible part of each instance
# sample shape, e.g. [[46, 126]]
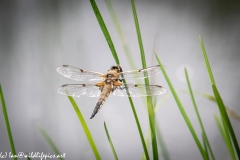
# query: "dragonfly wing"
[[77, 90], [79, 74], [142, 73], [138, 90]]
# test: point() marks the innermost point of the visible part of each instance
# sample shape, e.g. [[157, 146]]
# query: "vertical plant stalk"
[[120, 34], [110, 142], [228, 138], [4, 109], [206, 61], [182, 109], [205, 146], [51, 143], [221, 106], [138, 126], [148, 136], [133, 66], [85, 128], [114, 53], [161, 143], [147, 141], [122, 39], [225, 119], [225, 137], [105, 31], [149, 98], [198, 115]]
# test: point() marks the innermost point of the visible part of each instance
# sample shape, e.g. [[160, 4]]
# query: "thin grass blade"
[[221, 106], [139, 35], [181, 109], [123, 40], [85, 128], [114, 53], [162, 143], [205, 147], [4, 109], [206, 61], [159, 134], [147, 142], [51, 143], [220, 127], [198, 115], [110, 142], [138, 126], [105, 31], [121, 34], [228, 138], [225, 119], [149, 98], [230, 112], [225, 137], [158, 131], [162, 101]]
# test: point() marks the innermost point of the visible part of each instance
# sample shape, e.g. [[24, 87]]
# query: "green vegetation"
[[4, 109], [85, 128], [154, 135], [50, 142], [110, 142]]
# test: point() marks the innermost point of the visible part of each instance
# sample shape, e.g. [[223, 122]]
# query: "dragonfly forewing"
[[142, 73], [79, 74]]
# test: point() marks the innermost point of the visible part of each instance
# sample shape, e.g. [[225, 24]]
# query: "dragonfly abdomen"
[[103, 96]]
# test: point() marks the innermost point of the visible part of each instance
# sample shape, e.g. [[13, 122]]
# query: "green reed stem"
[[180, 106], [4, 109], [51, 143], [149, 98], [85, 128], [198, 115], [114, 53], [110, 142]]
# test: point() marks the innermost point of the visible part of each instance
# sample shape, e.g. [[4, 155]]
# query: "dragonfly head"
[[117, 68]]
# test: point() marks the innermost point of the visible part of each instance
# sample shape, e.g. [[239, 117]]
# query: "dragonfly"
[[101, 85]]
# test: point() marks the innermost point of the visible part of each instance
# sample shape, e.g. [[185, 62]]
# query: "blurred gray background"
[[38, 36]]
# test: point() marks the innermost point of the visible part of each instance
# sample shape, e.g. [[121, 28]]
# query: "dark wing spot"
[[81, 70], [65, 65], [64, 85], [135, 85], [83, 85]]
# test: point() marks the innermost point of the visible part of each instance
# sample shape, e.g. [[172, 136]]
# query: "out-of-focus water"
[[38, 36]]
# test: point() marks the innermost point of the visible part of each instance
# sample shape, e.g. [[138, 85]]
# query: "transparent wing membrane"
[[79, 74], [142, 73], [138, 90], [77, 90], [94, 90]]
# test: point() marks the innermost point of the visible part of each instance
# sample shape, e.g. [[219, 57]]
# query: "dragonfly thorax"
[[112, 74], [108, 81]]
